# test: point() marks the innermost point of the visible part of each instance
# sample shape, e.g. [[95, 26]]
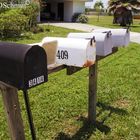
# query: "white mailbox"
[[74, 52], [103, 41], [51, 49], [120, 37]]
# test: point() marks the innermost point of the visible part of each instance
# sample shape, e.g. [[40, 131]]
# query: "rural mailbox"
[[120, 37], [22, 66], [103, 41], [74, 52]]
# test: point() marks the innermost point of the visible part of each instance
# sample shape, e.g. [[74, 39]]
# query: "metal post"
[[29, 113]]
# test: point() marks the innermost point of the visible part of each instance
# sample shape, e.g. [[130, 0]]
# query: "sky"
[[90, 4]]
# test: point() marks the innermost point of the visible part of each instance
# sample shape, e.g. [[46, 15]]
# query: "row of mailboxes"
[[77, 49], [25, 66], [106, 39]]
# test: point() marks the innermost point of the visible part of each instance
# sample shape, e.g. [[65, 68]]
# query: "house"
[[61, 10]]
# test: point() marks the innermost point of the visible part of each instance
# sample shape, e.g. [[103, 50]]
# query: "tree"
[[122, 11], [98, 6]]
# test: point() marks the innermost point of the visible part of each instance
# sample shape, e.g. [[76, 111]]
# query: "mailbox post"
[[12, 111], [92, 93]]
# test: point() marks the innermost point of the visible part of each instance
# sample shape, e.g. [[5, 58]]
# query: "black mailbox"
[[22, 66]]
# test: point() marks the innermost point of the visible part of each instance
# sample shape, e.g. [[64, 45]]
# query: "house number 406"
[[62, 54]]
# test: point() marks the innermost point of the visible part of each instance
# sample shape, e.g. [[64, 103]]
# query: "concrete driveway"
[[134, 36]]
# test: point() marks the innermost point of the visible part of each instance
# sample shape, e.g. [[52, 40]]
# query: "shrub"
[[12, 23], [31, 11], [82, 18], [75, 16]]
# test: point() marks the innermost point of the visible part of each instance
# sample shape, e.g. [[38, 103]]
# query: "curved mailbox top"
[[71, 42], [97, 36], [22, 66], [13, 51]]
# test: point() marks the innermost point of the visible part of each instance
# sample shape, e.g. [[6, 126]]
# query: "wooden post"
[[13, 112], [92, 93]]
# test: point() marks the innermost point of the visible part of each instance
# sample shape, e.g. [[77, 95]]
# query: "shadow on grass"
[[117, 111], [88, 129], [85, 132]]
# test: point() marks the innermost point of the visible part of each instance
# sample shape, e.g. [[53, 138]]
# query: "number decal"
[[36, 81], [58, 54], [63, 54]]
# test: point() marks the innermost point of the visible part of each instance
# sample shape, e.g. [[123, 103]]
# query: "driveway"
[[134, 36]]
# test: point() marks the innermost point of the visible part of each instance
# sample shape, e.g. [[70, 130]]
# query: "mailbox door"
[[35, 69]]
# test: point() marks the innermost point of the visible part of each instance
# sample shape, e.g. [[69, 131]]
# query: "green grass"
[[106, 21], [29, 37], [60, 106]]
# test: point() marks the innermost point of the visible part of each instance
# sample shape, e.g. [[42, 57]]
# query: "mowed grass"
[[59, 106], [106, 21], [29, 37]]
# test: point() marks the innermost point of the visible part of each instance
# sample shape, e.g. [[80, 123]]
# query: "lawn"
[[60, 106], [29, 37], [106, 21]]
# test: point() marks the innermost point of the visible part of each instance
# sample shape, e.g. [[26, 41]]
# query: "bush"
[[31, 11], [75, 16], [12, 23], [82, 18]]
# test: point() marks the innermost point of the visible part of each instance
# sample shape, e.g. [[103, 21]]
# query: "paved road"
[[134, 36]]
